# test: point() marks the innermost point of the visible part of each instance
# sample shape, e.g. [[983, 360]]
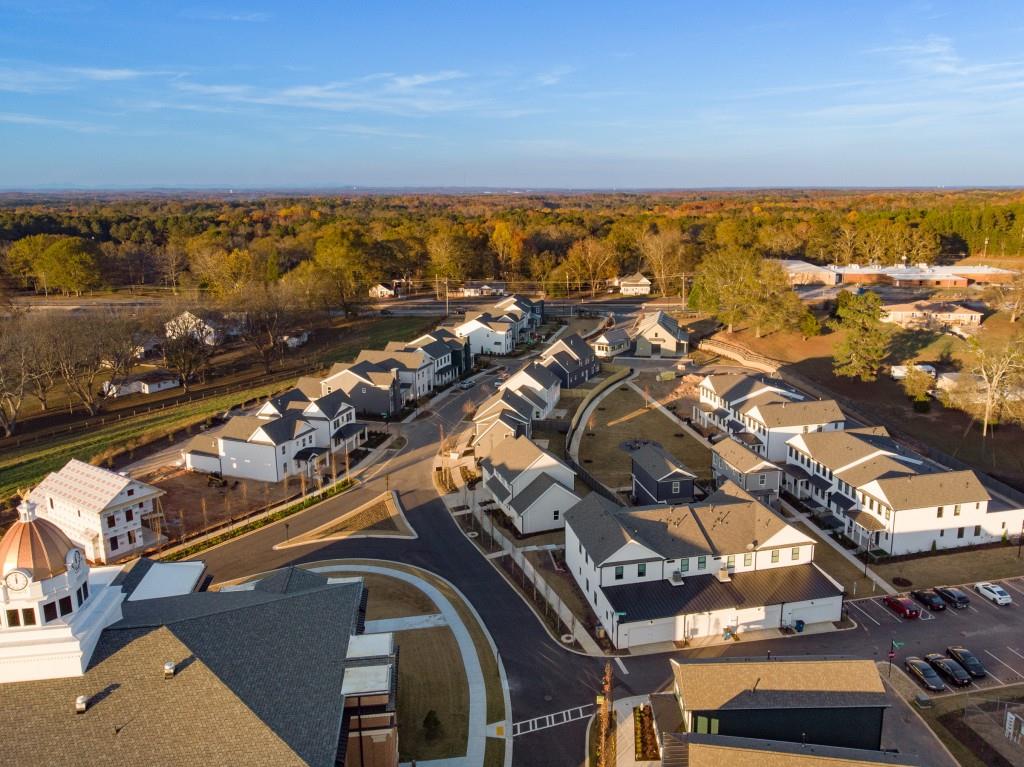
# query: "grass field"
[[967, 746], [431, 678], [835, 564], [379, 517], [624, 417], [392, 598], [25, 466], [494, 753], [956, 567]]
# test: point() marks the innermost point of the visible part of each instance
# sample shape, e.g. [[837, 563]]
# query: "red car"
[[902, 606]]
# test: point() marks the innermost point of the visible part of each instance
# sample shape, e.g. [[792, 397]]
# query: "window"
[[675, 488], [730, 561], [78, 596], [887, 512], [775, 555], [13, 618], [282, 449], [51, 502], [85, 590], [131, 537], [684, 565], [65, 605], [555, 514], [580, 543], [702, 562], [939, 514], [618, 572], [49, 612], [113, 543], [942, 533], [959, 532], [129, 515], [641, 570], [762, 479], [111, 520], [748, 559], [28, 616], [131, 491], [977, 530], [956, 510]]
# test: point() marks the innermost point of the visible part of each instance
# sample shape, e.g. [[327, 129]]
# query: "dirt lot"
[[563, 584], [884, 402], [191, 504], [622, 416]]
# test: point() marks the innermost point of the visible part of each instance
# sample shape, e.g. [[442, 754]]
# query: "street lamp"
[[287, 536]]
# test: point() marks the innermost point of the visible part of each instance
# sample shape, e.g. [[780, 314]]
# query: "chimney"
[[169, 668], [81, 704]]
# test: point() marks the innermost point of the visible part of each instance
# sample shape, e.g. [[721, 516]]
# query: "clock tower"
[[50, 601]]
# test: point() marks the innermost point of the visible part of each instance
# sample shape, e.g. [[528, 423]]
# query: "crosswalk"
[[552, 720]]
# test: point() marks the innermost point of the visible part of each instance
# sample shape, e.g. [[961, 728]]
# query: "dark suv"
[[929, 599], [968, 660]]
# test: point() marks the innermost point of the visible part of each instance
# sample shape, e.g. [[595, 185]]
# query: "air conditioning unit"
[[677, 578]]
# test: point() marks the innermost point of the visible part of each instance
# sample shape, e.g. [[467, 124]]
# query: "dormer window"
[[131, 491]]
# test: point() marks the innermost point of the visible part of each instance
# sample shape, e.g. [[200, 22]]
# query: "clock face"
[[16, 580], [75, 560]]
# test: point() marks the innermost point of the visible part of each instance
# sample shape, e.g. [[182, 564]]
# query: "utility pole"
[[446, 297], [682, 291]]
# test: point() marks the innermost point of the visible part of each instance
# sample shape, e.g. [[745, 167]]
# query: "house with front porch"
[[531, 486], [733, 461], [611, 342], [443, 370], [461, 358], [761, 412], [661, 574], [635, 285], [526, 314], [891, 499]]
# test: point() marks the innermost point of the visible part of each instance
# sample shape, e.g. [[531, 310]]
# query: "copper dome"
[[35, 545]]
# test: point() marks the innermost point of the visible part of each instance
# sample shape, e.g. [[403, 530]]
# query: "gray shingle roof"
[[715, 750], [740, 457], [939, 489], [594, 523], [613, 337], [659, 463], [522, 502], [258, 682]]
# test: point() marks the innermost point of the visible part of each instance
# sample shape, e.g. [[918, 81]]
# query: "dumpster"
[[799, 626]]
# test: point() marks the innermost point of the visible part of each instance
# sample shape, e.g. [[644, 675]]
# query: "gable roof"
[[523, 501], [612, 337], [785, 682], [91, 487], [664, 321], [540, 374], [279, 430], [944, 488], [388, 358], [369, 372], [594, 523], [634, 279], [517, 454], [504, 399], [658, 462], [571, 344], [262, 670], [741, 457]]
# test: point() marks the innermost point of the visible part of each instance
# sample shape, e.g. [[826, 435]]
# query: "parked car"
[[954, 597], [993, 592], [948, 668], [929, 599], [902, 606], [968, 660], [924, 673], [385, 312], [466, 385]]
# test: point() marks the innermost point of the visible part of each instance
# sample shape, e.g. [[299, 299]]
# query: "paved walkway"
[[389, 625], [625, 744], [879, 580], [670, 415], [574, 445], [467, 649]]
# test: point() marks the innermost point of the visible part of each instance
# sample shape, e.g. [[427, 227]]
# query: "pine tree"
[[861, 353]]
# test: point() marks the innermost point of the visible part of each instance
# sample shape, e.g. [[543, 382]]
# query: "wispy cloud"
[[16, 118], [355, 129], [107, 75], [553, 76], [244, 17], [29, 78]]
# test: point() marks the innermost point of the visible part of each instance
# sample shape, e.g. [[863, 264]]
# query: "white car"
[[993, 592]]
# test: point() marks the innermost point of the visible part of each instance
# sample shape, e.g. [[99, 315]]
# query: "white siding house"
[[487, 335], [669, 574]]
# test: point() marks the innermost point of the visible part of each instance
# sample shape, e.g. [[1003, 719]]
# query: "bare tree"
[[1000, 373], [171, 261], [264, 317], [662, 252], [590, 258], [16, 370], [83, 356], [186, 350], [1008, 296]]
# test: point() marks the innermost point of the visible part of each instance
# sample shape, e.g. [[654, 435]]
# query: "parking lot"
[[994, 634]]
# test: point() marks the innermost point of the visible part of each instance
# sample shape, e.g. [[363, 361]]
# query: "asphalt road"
[[545, 678]]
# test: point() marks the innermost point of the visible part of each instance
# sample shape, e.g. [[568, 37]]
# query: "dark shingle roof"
[[696, 750], [258, 682], [658, 462], [594, 523]]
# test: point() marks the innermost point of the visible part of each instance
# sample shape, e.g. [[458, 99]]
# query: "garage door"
[[648, 633], [758, 618], [814, 611]]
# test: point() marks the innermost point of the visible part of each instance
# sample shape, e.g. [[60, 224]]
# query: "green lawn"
[[956, 567]]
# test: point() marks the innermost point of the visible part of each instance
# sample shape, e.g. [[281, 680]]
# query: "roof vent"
[[81, 704], [169, 668]]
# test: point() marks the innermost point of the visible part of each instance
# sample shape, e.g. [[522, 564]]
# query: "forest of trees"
[[331, 248]]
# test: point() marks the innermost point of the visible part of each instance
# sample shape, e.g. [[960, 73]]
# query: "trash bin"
[[799, 626]]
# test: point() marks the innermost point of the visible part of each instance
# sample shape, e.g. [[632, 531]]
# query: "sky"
[[510, 94]]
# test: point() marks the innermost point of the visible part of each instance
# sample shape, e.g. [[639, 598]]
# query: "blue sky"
[[524, 94]]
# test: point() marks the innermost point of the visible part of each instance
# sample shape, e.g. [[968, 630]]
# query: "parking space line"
[[927, 615], [862, 610], [996, 658], [886, 610], [1011, 586], [988, 602], [974, 609], [1015, 653]]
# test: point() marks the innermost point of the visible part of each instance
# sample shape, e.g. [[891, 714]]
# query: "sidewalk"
[[881, 582], [625, 739]]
